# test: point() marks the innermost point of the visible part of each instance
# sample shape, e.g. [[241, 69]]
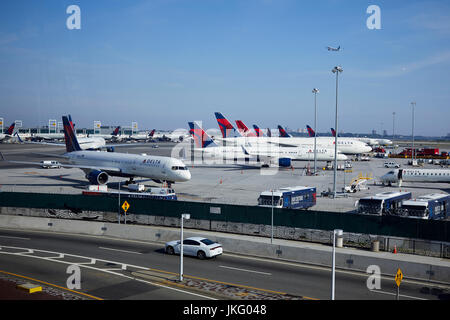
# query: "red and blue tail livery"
[[311, 132], [333, 132], [116, 131], [70, 136], [11, 129], [258, 131], [225, 126], [201, 138], [283, 132], [244, 130], [151, 133]]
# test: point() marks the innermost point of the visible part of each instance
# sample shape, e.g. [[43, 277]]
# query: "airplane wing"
[[64, 165]]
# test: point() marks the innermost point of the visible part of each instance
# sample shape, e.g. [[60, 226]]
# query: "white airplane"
[[334, 49], [98, 165], [9, 133], [416, 175], [345, 145], [268, 154], [369, 141], [114, 136]]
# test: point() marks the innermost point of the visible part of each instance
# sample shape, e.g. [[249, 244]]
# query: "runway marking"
[[246, 270], [51, 284], [394, 294], [103, 270], [12, 237], [112, 249]]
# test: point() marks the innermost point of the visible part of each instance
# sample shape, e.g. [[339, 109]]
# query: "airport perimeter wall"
[[426, 237]]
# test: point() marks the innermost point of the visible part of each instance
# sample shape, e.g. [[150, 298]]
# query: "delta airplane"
[[369, 141], [258, 131], [98, 165], [114, 136], [345, 145], [244, 130], [267, 153], [9, 133], [415, 175]]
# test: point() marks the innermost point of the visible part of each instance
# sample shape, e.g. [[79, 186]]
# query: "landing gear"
[[131, 181]]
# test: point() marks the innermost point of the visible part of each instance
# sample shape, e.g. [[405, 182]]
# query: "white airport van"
[[50, 164]]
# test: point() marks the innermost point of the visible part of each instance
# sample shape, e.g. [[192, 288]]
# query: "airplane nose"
[[341, 157], [367, 149]]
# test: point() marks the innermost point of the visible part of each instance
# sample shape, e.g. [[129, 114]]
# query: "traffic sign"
[[398, 277], [125, 206]]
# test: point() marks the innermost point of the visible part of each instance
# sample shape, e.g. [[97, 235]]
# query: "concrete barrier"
[[413, 267]]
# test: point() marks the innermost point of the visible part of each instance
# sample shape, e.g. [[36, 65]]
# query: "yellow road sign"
[[398, 277], [125, 206]]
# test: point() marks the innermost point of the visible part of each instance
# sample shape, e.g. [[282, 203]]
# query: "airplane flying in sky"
[[98, 165], [334, 49]]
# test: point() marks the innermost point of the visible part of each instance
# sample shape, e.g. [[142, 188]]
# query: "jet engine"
[[97, 177]]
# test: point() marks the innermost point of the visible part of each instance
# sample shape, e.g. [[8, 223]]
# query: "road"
[[310, 282]]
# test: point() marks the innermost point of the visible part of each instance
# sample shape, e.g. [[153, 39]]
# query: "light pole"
[[339, 233], [186, 216], [413, 104], [336, 70], [393, 126], [315, 91], [271, 230]]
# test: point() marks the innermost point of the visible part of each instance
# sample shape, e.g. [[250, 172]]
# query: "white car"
[[391, 164], [195, 246], [50, 164]]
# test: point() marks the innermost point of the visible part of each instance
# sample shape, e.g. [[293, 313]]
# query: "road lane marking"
[[394, 294], [112, 249], [246, 270], [12, 237]]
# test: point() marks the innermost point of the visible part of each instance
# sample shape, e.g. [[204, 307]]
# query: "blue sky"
[[163, 63]]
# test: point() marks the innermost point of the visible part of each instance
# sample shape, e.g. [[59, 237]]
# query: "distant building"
[[374, 132]]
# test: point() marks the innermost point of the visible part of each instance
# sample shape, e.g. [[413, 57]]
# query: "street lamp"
[[339, 234], [315, 91], [413, 104], [186, 216], [336, 70], [393, 126]]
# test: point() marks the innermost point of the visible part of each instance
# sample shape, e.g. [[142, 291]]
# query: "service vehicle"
[[385, 203], [199, 247], [299, 197], [435, 206], [391, 164]]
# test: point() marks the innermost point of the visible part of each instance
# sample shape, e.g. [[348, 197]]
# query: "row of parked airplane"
[[99, 166], [269, 150]]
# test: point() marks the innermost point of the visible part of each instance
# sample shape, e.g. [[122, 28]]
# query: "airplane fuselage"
[[131, 165]]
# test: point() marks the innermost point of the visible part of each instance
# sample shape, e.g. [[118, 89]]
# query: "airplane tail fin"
[[11, 129], [269, 133], [151, 133], [333, 132], [283, 132], [244, 130], [116, 131], [311, 132], [258, 131], [70, 136], [201, 138], [225, 126]]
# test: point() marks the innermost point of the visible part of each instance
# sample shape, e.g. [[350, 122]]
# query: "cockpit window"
[[179, 168]]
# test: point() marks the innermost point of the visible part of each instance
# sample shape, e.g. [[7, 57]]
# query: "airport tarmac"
[[222, 183]]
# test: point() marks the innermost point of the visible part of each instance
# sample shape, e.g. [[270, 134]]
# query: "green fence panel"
[[307, 219]]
